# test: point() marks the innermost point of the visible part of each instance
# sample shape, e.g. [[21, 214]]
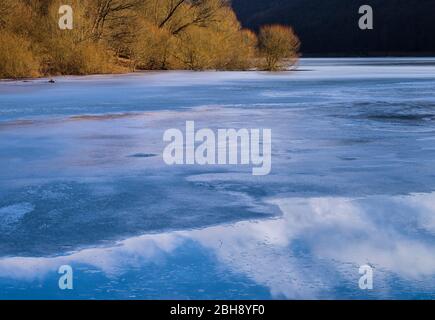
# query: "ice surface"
[[352, 182], [312, 251]]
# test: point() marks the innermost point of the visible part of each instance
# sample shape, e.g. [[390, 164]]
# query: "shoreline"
[[302, 58], [140, 72]]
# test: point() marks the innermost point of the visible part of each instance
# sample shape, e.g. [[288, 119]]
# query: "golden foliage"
[[278, 42], [221, 46], [120, 35], [152, 48], [16, 57]]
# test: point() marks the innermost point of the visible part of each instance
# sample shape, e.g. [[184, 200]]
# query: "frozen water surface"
[[82, 182]]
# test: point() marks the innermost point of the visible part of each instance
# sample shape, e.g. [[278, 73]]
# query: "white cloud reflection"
[[338, 233]]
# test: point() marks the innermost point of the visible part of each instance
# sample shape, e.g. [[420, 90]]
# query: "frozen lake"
[[83, 183]]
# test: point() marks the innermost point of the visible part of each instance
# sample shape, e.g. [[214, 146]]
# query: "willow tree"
[[83, 50], [192, 34], [277, 43]]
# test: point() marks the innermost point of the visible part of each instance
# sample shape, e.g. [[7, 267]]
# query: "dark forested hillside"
[[329, 27]]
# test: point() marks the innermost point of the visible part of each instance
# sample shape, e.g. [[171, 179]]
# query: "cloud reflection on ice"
[[314, 246]]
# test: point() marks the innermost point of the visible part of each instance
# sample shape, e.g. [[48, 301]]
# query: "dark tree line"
[[331, 27]]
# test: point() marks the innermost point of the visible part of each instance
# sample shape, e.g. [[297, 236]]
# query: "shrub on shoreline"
[[278, 43]]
